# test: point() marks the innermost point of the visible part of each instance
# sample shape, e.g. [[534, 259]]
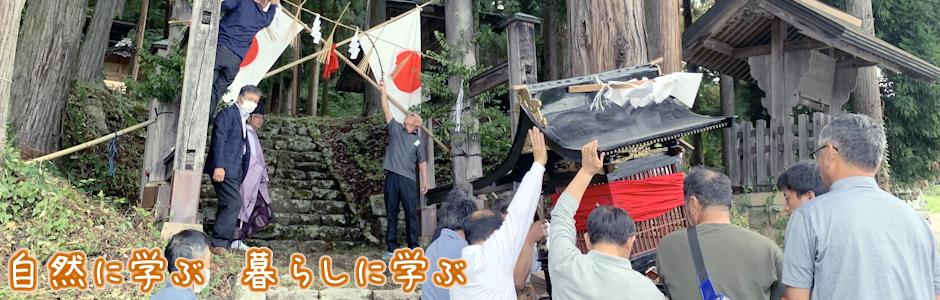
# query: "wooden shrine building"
[[798, 52]]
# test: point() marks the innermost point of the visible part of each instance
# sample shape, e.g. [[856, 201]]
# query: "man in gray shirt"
[[857, 241], [404, 151], [605, 272]]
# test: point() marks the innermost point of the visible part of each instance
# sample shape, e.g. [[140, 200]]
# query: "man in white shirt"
[[495, 243]]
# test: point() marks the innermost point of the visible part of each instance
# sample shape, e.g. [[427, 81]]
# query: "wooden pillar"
[[728, 155], [141, 29], [667, 16], [520, 30], [460, 27], [778, 105], [194, 109], [428, 212]]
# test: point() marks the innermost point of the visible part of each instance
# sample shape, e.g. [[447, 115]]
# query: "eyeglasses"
[[820, 149]]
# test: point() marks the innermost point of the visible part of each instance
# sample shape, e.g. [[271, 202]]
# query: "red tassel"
[[332, 63]]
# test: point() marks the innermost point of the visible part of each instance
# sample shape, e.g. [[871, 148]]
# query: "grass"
[[932, 195]]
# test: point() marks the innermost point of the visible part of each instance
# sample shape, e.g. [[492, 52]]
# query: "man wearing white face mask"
[[227, 164], [189, 244]]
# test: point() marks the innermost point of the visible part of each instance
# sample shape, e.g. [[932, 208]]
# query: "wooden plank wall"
[[762, 151]]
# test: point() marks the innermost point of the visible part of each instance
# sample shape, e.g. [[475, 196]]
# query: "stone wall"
[[311, 210]]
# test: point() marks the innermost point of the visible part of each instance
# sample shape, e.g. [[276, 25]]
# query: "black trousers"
[[226, 213], [401, 189], [227, 64]]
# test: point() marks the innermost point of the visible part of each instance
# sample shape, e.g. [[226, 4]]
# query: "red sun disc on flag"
[[409, 77], [252, 53]]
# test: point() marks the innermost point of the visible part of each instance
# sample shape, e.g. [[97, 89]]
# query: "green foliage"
[[91, 165], [912, 109], [493, 130], [161, 77], [708, 102]]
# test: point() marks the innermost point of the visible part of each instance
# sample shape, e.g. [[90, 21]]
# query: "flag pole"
[[376, 86], [343, 42]]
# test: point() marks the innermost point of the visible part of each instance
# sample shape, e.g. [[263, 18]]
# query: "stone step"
[[308, 233], [315, 246], [318, 207]]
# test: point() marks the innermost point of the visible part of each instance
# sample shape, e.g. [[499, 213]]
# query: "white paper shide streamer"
[[315, 30], [458, 108], [354, 48]]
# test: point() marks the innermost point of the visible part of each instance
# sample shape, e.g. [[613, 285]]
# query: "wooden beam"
[[490, 79], [720, 47], [807, 44], [854, 63], [587, 88]]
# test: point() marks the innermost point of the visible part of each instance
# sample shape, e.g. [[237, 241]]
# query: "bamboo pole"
[[343, 42], [376, 86], [93, 142]]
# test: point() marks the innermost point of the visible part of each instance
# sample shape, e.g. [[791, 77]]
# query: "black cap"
[[259, 110]]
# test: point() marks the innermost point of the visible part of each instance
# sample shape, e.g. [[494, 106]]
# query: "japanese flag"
[[266, 47], [397, 46]]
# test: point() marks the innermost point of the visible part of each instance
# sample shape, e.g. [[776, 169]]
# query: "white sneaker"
[[239, 245]]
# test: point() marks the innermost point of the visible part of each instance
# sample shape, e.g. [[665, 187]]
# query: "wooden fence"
[[762, 152]]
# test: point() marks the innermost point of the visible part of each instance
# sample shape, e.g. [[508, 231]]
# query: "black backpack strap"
[[700, 270]]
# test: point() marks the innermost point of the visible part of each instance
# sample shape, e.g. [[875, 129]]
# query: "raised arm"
[[537, 232], [384, 101], [563, 234], [507, 242]]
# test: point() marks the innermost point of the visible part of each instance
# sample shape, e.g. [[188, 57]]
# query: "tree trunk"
[[181, 11], [459, 31], [51, 34], [375, 15], [555, 32], [119, 8], [605, 35], [867, 97], [10, 12], [667, 17], [325, 110], [141, 31], [91, 54]]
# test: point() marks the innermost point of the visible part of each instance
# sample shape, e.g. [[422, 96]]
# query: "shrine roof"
[[733, 30]]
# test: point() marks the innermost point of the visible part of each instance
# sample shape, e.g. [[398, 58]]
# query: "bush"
[[120, 111]]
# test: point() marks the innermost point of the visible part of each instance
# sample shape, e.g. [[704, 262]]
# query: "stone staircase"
[[311, 211]]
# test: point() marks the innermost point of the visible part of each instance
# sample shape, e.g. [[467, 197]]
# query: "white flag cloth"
[[266, 48], [682, 86], [399, 43]]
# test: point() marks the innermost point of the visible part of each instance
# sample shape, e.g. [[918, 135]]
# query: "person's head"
[[612, 229], [800, 183], [707, 193], [189, 244], [502, 202], [256, 119], [248, 98], [852, 145], [481, 225], [454, 213], [412, 122]]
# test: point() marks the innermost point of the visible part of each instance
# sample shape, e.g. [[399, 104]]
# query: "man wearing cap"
[[256, 210]]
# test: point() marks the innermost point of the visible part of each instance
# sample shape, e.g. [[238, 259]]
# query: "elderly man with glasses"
[[857, 241]]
